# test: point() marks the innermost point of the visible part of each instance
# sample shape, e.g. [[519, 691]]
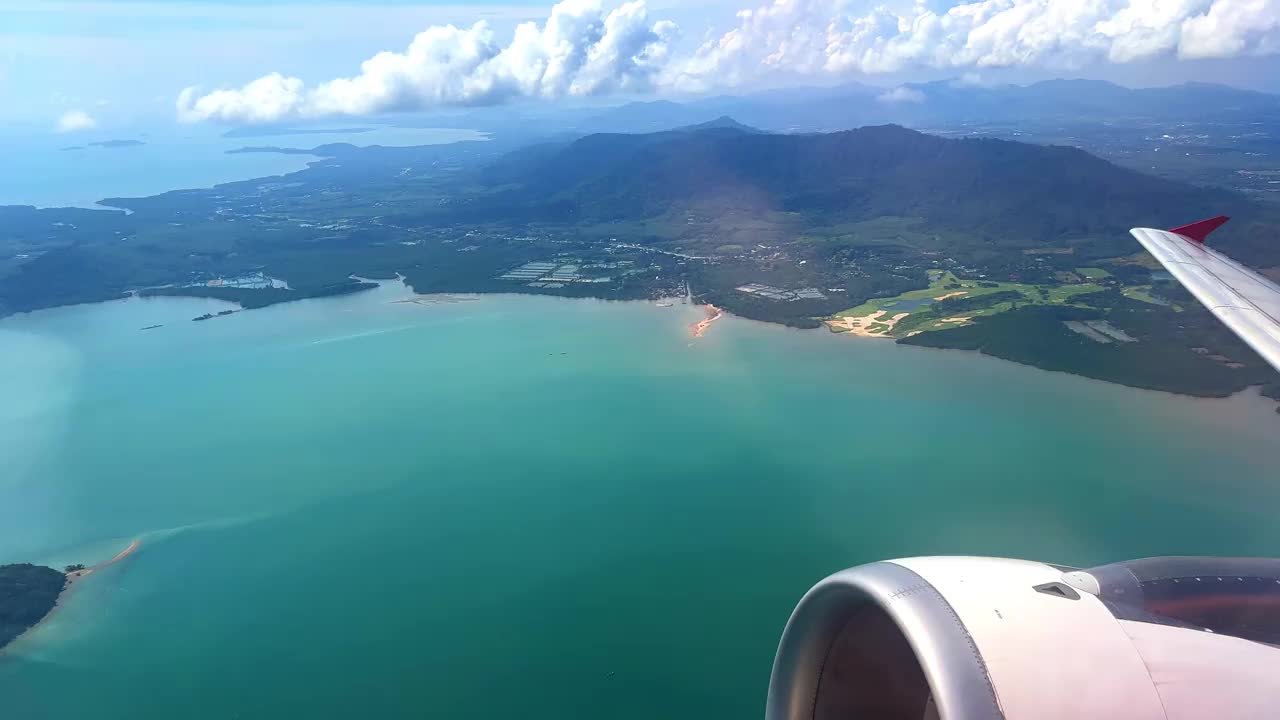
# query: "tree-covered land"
[[27, 594], [782, 228], [250, 298], [1036, 335]]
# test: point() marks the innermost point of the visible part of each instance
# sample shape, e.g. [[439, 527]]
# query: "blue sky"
[[122, 62]]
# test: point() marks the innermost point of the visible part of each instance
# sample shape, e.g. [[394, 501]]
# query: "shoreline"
[[73, 578], [697, 330], [288, 163], [701, 327]]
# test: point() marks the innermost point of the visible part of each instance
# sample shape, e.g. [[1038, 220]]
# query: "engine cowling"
[[962, 638]]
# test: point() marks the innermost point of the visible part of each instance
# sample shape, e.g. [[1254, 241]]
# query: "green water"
[[522, 507]]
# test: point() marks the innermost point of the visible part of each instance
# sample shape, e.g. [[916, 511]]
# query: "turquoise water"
[[535, 507], [39, 171]]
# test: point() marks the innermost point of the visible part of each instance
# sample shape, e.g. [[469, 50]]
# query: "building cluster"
[[550, 275], [773, 293]]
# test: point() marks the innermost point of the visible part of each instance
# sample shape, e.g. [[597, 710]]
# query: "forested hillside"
[[995, 192], [27, 594]]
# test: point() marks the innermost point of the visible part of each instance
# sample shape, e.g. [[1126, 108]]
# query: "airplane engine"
[[960, 638]]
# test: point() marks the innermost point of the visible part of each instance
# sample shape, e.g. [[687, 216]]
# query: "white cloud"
[[579, 50], [75, 121], [901, 94], [1232, 28], [830, 37], [583, 49]]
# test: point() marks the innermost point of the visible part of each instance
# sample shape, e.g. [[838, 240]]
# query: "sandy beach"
[[77, 575], [701, 327], [876, 325], [74, 577]]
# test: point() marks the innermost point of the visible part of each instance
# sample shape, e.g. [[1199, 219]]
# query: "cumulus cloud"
[[75, 121], [584, 49], [579, 50], [1232, 28], [832, 37], [901, 94]]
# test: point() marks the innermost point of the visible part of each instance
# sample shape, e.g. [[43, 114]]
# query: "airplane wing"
[[1245, 301]]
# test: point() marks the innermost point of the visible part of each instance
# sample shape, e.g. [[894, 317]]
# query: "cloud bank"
[[75, 121], [827, 37], [583, 49], [580, 50]]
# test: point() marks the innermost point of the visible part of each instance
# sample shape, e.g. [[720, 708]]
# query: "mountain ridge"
[[1018, 195]]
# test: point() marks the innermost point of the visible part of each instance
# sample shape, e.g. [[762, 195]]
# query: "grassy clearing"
[[1142, 293], [944, 283], [940, 283], [1093, 273], [1065, 293]]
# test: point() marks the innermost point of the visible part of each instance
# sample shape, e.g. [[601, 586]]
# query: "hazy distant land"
[[117, 143], [270, 149], [1015, 250], [270, 131]]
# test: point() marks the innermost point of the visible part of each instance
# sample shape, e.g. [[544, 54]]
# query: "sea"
[[511, 506], [52, 170]]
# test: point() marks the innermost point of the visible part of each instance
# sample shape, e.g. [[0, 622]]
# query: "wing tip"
[[1198, 232]]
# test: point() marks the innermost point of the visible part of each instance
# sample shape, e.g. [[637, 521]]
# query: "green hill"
[[997, 193], [27, 594]]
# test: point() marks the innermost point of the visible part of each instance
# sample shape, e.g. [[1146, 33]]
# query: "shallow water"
[[536, 507], [42, 171]]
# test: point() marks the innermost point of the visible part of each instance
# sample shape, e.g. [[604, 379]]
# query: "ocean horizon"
[[70, 170]]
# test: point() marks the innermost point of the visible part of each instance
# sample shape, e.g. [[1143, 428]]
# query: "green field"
[[940, 283], [1142, 293], [1093, 273], [943, 283]]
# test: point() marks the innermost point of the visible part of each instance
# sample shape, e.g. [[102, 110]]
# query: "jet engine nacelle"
[[983, 638]]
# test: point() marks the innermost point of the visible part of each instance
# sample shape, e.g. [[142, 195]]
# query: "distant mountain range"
[[724, 122], [946, 102]]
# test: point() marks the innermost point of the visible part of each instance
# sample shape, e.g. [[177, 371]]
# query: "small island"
[[117, 143], [27, 594], [269, 149], [210, 316]]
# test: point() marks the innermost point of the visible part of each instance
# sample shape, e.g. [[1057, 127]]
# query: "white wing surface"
[[1245, 301]]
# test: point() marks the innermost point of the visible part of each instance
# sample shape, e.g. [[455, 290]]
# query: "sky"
[[70, 66]]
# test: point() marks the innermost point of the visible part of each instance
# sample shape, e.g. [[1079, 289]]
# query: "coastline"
[[701, 327], [73, 578], [859, 329], [227, 167]]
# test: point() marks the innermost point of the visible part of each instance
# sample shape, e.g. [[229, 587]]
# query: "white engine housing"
[[985, 638]]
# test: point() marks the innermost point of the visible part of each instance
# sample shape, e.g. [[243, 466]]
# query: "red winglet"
[[1201, 230]]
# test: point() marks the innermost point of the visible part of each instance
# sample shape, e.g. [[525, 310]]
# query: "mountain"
[[952, 101], [944, 103], [724, 122], [993, 191]]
